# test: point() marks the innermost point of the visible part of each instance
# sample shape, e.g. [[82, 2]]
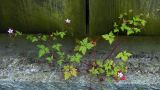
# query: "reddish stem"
[[113, 50]]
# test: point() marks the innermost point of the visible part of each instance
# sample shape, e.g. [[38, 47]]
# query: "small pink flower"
[[10, 31], [67, 21], [121, 75]]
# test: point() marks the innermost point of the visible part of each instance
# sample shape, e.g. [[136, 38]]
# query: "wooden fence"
[[92, 17]]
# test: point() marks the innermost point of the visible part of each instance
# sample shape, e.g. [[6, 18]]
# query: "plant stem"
[[114, 48], [94, 54]]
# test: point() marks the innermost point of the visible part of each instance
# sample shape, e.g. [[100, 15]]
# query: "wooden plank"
[[104, 12], [43, 15]]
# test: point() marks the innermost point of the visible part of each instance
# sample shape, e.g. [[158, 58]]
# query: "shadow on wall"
[[48, 15], [42, 15]]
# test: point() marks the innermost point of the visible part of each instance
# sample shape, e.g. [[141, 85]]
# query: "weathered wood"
[[42, 15], [104, 12]]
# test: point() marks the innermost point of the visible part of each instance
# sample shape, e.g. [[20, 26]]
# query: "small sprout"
[[69, 71], [116, 30], [143, 22], [60, 34], [108, 65], [18, 33], [94, 71], [137, 30], [109, 37], [83, 46], [115, 24], [32, 38], [42, 50], [121, 16], [49, 59], [44, 37], [75, 58], [124, 55], [57, 47]]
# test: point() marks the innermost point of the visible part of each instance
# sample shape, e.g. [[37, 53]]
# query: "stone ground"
[[21, 70]]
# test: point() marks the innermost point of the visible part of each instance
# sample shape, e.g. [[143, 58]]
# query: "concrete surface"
[[21, 70]]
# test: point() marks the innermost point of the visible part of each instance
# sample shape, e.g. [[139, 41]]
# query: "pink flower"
[[10, 31], [67, 21], [121, 75]]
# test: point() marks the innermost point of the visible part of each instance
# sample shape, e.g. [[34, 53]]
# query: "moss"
[[75, 10], [104, 12], [49, 15], [42, 15]]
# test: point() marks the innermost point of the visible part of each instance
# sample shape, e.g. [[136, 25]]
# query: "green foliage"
[[49, 59], [32, 38], [18, 33], [60, 34], [57, 46], [75, 58], [69, 71], [43, 50], [108, 67], [124, 55], [83, 46], [109, 37], [43, 37], [129, 25], [94, 71]]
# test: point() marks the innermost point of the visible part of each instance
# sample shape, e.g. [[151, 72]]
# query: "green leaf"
[[43, 50], [108, 65], [130, 21], [143, 22], [123, 26], [123, 55], [18, 33], [116, 30], [32, 38], [115, 25], [135, 23], [83, 49], [67, 75], [94, 71], [99, 63], [44, 37], [41, 46], [121, 16], [83, 46], [109, 37], [130, 31], [59, 62], [136, 19], [49, 59], [61, 54], [57, 46], [69, 71], [60, 34], [137, 30], [41, 53], [75, 58], [101, 70]]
